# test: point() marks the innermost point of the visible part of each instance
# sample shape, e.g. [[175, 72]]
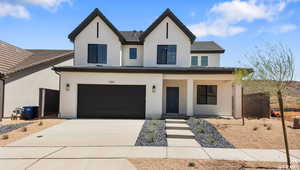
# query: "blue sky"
[[237, 25]]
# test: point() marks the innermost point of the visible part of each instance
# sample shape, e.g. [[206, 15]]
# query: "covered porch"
[[201, 95]]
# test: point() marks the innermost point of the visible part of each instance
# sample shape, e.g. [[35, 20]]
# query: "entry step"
[[175, 121], [182, 142], [173, 132], [179, 126]]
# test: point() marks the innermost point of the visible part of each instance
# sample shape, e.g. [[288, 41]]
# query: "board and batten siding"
[[25, 91], [89, 36], [175, 37]]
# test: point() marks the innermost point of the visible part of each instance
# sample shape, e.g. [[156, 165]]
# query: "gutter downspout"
[[2, 77]]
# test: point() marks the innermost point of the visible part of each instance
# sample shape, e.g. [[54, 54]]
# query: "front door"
[[172, 99]]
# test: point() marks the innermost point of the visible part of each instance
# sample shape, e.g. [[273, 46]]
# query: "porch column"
[[189, 97]]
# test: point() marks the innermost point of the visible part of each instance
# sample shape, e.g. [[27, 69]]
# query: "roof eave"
[[208, 51]]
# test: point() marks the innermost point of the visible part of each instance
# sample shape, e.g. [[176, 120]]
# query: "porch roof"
[[136, 69]]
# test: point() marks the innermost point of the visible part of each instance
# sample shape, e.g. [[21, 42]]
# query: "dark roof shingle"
[[206, 47], [14, 59]]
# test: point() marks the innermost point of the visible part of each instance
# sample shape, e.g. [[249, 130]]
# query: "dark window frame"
[[166, 54], [97, 54], [97, 29], [167, 30], [134, 52], [207, 94], [202, 58], [197, 62]]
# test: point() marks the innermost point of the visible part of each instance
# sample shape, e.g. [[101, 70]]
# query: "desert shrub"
[[191, 164], [211, 139], [199, 122], [4, 137], [40, 123], [265, 125], [255, 128], [269, 127], [150, 137], [200, 130]]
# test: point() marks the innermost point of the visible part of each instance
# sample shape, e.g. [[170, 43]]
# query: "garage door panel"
[[111, 101]]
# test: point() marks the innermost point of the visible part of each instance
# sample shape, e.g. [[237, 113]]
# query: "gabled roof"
[[168, 13], [132, 37], [206, 47], [14, 59], [89, 19]]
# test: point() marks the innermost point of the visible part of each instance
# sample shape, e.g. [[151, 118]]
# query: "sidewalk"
[[56, 157]]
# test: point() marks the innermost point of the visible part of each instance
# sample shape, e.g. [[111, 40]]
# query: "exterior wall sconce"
[[67, 87], [153, 88]]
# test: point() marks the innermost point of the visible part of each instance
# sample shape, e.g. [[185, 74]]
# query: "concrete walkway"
[[114, 157], [179, 133]]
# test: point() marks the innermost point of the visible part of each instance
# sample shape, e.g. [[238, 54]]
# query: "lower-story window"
[[207, 94]]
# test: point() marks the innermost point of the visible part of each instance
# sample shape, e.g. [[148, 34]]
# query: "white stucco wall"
[[89, 36], [158, 37], [68, 102], [132, 62], [213, 59], [224, 99], [25, 91]]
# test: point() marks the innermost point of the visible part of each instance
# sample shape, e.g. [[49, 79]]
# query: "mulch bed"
[[153, 133], [207, 135], [11, 127]]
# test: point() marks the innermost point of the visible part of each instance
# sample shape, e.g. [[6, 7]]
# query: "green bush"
[[211, 139], [200, 130]]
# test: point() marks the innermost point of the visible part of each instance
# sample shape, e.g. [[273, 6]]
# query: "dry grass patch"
[[35, 127], [192, 164], [257, 133]]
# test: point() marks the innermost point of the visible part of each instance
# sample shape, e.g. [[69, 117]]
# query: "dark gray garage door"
[[111, 101]]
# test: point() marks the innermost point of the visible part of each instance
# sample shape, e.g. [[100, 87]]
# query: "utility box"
[[297, 122]]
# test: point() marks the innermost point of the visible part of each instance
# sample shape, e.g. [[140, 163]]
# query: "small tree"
[[273, 71]]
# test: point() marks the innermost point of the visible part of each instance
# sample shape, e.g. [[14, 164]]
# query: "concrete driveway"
[[86, 132]]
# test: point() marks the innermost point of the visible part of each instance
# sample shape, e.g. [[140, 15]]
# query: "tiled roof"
[[14, 59]]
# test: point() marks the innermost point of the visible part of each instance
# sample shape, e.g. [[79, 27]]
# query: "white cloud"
[[193, 14], [225, 17], [46, 3], [17, 8], [287, 28], [17, 11]]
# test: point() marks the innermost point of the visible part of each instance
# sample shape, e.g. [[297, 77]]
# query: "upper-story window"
[[194, 61], [166, 54], [204, 60], [132, 53], [97, 53]]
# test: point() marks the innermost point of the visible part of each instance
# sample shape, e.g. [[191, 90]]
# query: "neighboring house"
[[23, 72], [145, 74]]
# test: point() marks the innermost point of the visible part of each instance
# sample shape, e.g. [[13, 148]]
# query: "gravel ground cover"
[[153, 133], [207, 135], [11, 127]]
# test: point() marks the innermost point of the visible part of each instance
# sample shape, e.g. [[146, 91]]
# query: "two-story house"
[[145, 74]]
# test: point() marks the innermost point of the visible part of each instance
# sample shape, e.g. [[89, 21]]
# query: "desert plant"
[[255, 128], [191, 164], [40, 123], [150, 137], [4, 137], [211, 139], [24, 129], [269, 127], [265, 125], [200, 130], [273, 71], [199, 122]]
